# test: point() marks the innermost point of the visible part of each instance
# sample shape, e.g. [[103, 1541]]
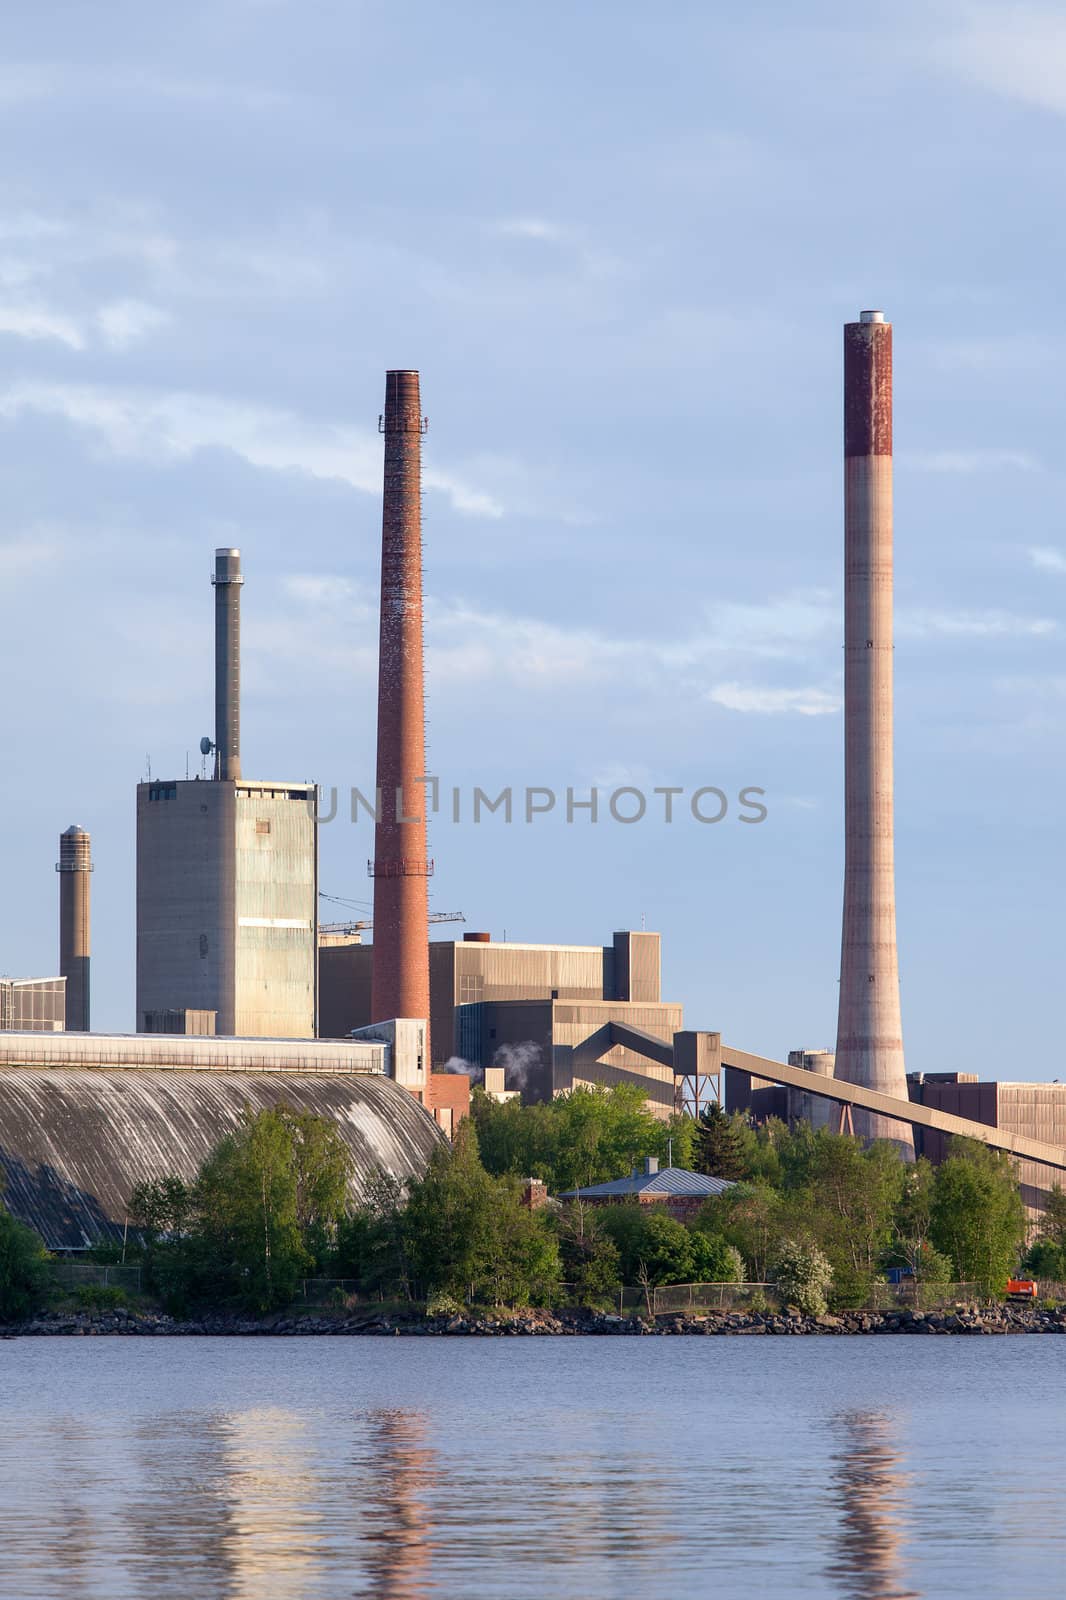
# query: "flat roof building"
[[34, 1005], [541, 1011]]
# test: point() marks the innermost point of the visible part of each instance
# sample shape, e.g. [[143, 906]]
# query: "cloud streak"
[[165, 426]]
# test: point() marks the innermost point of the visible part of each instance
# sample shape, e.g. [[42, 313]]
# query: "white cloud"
[[160, 426], [973, 625], [1018, 51], [36, 322], [529, 228], [763, 701], [970, 461], [1047, 559], [30, 552], [125, 322]]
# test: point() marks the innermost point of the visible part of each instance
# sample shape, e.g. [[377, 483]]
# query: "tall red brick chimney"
[[401, 867]]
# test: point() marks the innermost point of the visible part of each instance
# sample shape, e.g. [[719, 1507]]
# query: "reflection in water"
[[393, 1472], [579, 1469], [871, 1489]]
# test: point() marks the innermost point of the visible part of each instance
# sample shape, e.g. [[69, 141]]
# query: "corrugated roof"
[[671, 1181], [74, 1144]]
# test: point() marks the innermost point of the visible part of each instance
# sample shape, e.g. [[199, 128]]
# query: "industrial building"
[[33, 1005], [1030, 1110], [551, 1015], [760, 1099], [85, 1118], [227, 878], [1037, 1110]]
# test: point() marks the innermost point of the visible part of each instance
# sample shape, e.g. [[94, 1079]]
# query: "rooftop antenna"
[[206, 750]]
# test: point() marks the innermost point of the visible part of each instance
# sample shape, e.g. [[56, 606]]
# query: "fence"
[[921, 1296], [76, 1274], [681, 1297], [327, 1291]]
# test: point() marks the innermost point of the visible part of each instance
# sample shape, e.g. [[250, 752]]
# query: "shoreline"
[[966, 1321]]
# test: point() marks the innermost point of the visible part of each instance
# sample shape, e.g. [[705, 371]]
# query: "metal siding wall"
[[275, 881], [182, 847]]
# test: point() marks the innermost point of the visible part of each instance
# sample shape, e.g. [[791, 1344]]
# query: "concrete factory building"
[[227, 878], [552, 1015], [33, 1005]]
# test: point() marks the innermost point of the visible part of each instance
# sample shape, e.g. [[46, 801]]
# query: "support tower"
[[869, 1030], [74, 866], [401, 867]]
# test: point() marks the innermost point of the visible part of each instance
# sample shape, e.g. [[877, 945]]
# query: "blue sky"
[[620, 246]]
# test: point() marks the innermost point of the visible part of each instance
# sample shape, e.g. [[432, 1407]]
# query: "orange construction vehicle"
[[1021, 1289]]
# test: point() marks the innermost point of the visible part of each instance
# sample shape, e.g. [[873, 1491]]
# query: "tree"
[[23, 1269], [978, 1218], [803, 1276], [913, 1219], [590, 1260], [1046, 1260], [264, 1206], [587, 1136], [719, 1146], [751, 1217], [467, 1234], [842, 1197]]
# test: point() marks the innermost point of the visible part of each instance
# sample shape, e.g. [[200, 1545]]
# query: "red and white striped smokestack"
[[401, 867], [869, 1028]]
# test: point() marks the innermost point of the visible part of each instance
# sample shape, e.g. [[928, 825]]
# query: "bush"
[[804, 1277], [1046, 1260], [99, 1297], [734, 1270], [444, 1305], [24, 1280]]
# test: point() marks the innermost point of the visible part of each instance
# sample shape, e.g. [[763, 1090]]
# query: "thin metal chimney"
[[869, 1047], [74, 866], [401, 868], [227, 583]]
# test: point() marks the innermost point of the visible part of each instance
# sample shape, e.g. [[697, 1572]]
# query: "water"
[[575, 1469]]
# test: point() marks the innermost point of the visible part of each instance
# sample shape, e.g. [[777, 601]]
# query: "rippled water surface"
[[583, 1468]]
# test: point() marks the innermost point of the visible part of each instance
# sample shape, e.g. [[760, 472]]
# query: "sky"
[[619, 244]]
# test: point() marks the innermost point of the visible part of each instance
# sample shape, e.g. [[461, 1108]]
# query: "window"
[[162, 791], [262, 826]]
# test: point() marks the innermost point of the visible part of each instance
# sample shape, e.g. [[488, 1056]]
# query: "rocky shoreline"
[[967, 1320]]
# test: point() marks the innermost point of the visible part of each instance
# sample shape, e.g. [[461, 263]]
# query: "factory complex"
[[242, 997]]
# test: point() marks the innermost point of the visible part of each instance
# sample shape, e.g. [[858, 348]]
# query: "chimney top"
[[871, 316]]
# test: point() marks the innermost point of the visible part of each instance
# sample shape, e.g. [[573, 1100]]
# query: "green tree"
[[1046, 1260], [265, 1202], [719, 1145], [844, 1198], [370, 1241], [913, 1218], [24, 1279], [751, 1217], [803, 1276], [590, 1260], [587, 1136], [468, 1234], [978, 1219]]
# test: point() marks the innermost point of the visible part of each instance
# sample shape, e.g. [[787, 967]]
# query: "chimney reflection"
[[395, 1543], [870, 1489]]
